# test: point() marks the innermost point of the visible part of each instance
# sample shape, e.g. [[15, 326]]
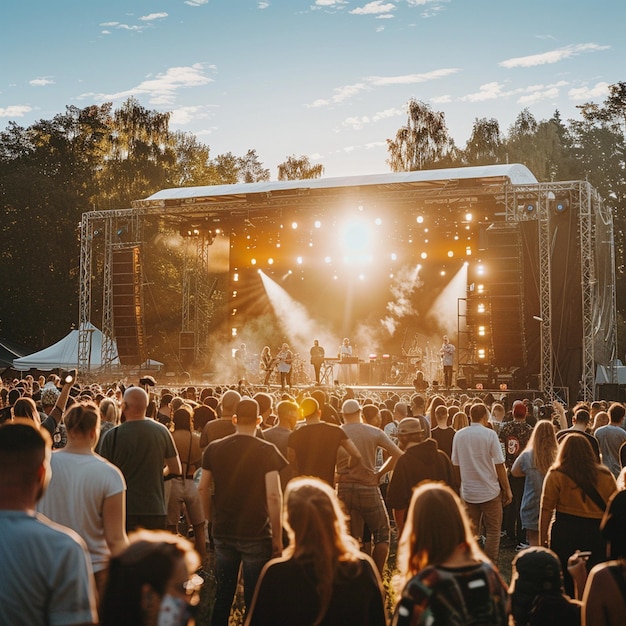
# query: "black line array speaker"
[[506, 290], [127, 307]]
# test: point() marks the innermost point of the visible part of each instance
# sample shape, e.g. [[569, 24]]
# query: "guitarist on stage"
[[285, 357]]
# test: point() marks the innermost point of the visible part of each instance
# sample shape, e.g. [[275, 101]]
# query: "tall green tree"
[[422, 143], [299, 168], [484, 147], [251, 170]]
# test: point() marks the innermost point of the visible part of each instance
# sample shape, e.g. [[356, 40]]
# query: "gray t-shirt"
[[610, 439], [367, 439], [139, 448]]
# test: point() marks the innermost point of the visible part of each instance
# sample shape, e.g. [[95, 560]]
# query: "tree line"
[[99, 158]]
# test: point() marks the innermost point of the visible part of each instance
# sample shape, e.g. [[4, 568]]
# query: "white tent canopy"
[[64, 354]]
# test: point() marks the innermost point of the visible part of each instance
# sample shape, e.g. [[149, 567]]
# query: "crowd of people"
[[118, 504]]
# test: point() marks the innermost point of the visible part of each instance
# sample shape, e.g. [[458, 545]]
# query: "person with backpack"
[[448, 579], [514, 437]]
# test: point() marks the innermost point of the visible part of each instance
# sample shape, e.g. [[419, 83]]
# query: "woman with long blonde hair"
[[323, 577], [447, 578], [533, 463]]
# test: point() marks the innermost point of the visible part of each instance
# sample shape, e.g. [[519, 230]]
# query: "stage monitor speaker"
[[365, 373], [127, 305], [610, 391]]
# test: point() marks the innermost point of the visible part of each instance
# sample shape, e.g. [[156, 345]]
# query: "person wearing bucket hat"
[[604, 599]]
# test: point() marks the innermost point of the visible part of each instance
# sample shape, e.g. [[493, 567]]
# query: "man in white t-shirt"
[[479, 465]]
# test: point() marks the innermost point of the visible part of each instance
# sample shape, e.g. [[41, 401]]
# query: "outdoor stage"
[[519, 274]]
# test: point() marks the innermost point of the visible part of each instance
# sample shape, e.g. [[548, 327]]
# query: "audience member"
[[141, 447], [151, 583], [577, 488], [247, 503], [322, 578], [46, 575], [421, 461], [479, 465], [357, 485], [611, 437], [87, 493], [448, 580]]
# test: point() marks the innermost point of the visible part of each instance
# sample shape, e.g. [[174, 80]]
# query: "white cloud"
[[15, 110], [386, 16], [184, 115], [537, 96], [358, 122], [196, 3], [161, 89], [552, 56], [105, 32], [488, 91], [348, 91], [441, 99], [109, 23], [410, 79], [129, 27], [421, 3], [263, 5], [599, 90], [326, 4], [340, 94], [374, 8], [41, 82], [153, 16]]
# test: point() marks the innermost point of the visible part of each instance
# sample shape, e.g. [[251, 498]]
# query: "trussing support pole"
[[582, 201], [202, 300], [84, 309], [545, 297], [108, 346], [186, 322]]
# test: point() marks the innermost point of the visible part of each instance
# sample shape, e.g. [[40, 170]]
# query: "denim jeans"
[[364, 504], [252, 554], [491, 514]]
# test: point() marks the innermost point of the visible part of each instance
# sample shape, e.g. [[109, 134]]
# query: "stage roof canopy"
[[470, 182]]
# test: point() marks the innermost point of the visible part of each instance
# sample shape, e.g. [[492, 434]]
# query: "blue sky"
[[326, 78]]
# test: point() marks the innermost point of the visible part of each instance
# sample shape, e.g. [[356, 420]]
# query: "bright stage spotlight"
[[419, 219], [355, 241], [318, 224]]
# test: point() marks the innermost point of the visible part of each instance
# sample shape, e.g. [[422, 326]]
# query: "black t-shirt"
[[286, 594], [421, 462], [239, 464], [443, 437], [316, 448]]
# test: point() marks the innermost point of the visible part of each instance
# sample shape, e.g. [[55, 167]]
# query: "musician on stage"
[[285, 358], [345, 367], [447, 359], [317, 359], [345, 349], [241, 356], [266, 364]]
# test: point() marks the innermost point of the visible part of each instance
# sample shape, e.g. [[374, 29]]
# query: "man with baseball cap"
[[313, 447], [357, 486]]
